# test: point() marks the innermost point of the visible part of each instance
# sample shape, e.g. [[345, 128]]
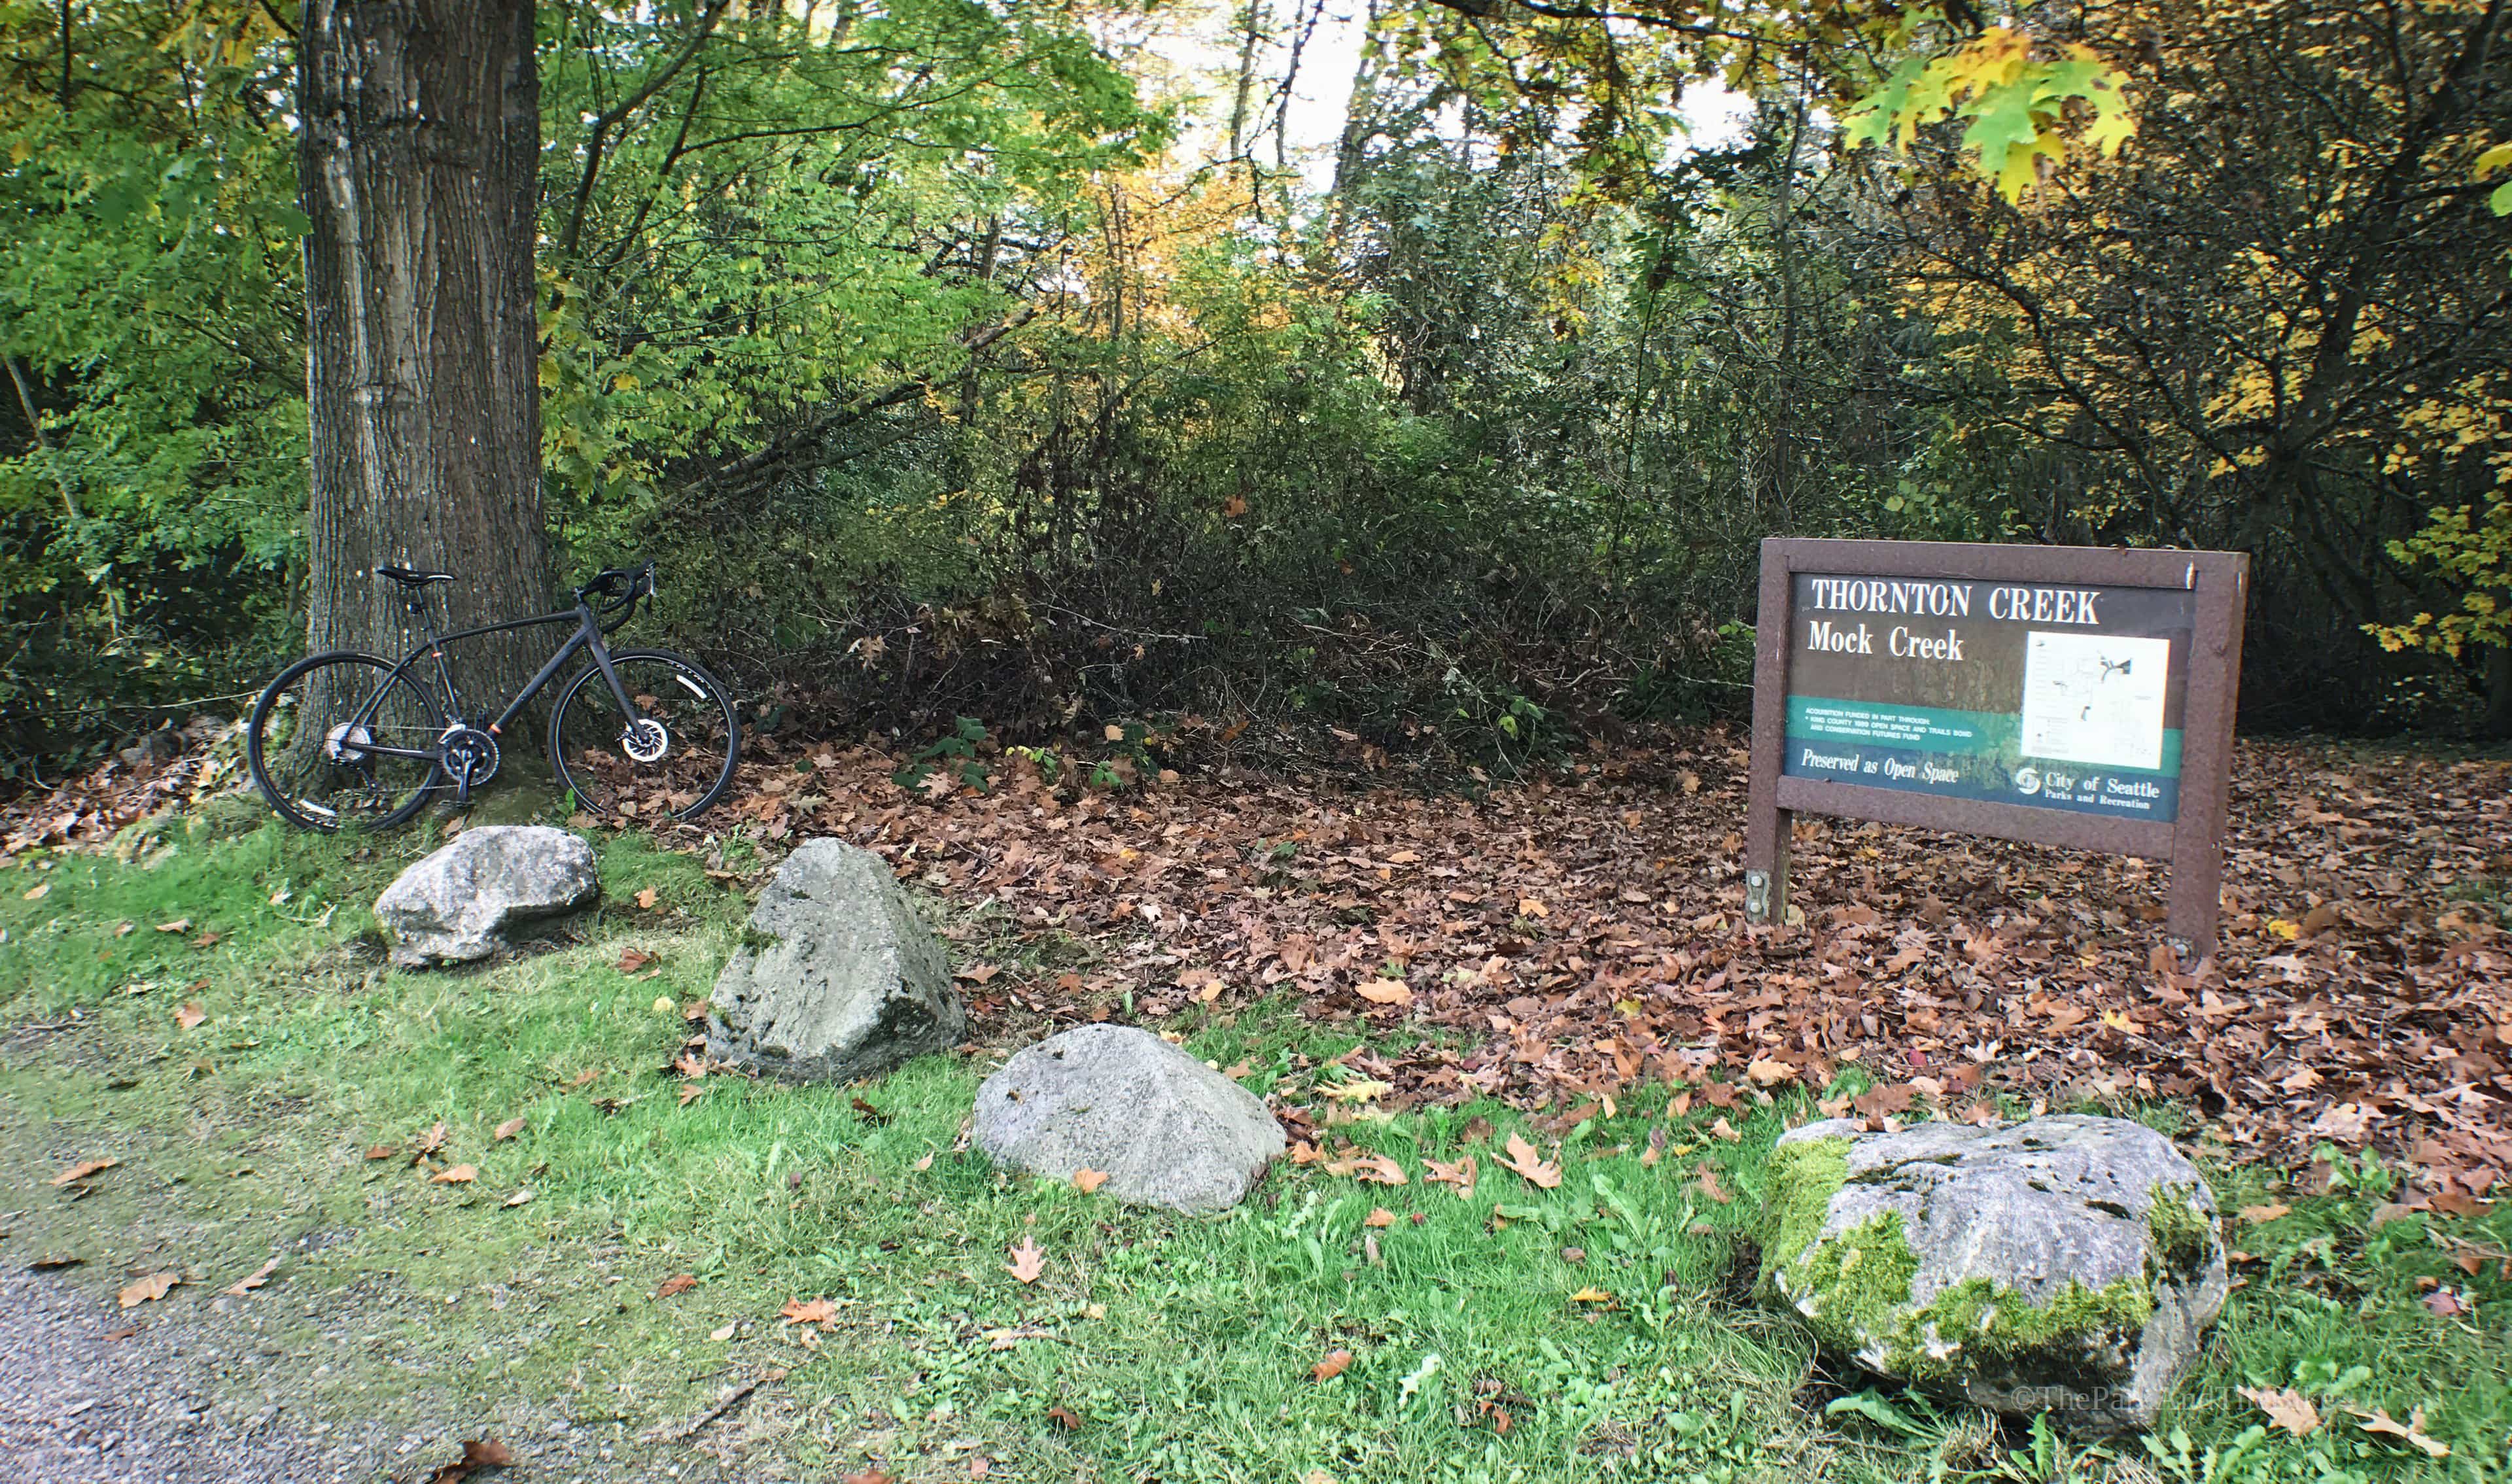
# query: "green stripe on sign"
[[1927, 728], [1941, 730]]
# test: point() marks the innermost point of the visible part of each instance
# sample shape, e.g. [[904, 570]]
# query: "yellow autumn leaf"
[[1357, 1090]]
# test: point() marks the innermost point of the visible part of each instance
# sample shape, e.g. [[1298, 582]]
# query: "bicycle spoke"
[[313, 732], [670, 758]]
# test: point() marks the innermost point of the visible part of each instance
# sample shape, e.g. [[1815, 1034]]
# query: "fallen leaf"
[[1592, 1296], [1026, 1261], [36, 892], [254, 1280], [1065, 1418], [478, 1454], [722, 1334], [430, 1141], [521, 1198], [690, 1092], [84, 1169], [1722, 1129], [2287, 1409], [190, 1014], [1383, 991], [1330, 1367], [632, 960], [178, 926], [381, 1150], [53, 1261], [460, 1174], [2256, 1215], [1084, 1179], [1378, 1217], [677, 1284], [870, 1114], [1373, 1169], [1357, 1090], [646, 898], [509, 1129], [1459, 1174], [1530, 1166], [149, 1289], [820, 1311], [1709, 1185], [1769, 1072], [870, 1477], [2378, 1420], [2445, 1305]]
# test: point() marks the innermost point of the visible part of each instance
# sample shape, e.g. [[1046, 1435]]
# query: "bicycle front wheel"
[[673, 758], [340, 740]]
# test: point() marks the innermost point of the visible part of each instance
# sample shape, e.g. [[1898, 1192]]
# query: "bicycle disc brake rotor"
[[646, 741]]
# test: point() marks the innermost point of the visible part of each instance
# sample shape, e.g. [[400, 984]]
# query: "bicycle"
[[345, 737]]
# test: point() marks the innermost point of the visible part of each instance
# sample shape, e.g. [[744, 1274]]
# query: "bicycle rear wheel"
[[312, 738], [675, 760]]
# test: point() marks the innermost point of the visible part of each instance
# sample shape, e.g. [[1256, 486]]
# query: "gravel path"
[[201, 1396]]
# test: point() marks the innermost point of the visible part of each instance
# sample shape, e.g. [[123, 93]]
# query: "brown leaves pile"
[[1579, 932]]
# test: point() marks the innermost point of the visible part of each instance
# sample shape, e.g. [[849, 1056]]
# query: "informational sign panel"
[[2060, 694], [2052, 697]]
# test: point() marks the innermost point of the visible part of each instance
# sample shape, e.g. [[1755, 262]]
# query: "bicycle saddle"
[[410, 578]]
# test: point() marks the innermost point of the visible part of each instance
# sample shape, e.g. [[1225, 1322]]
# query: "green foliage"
[[153, 399]]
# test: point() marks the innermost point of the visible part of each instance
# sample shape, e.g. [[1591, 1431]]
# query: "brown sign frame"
[[2192, 841]]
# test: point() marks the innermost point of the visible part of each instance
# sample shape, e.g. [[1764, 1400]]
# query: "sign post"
[[2061, 695]]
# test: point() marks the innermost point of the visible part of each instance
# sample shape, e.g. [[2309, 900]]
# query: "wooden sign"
[[2064, 695]]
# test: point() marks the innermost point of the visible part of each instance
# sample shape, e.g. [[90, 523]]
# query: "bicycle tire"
[[579, 708], [294, 804]]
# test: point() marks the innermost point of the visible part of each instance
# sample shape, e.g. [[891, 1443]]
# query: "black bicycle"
[[350, 739]]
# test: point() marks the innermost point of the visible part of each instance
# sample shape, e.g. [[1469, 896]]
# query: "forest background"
[[1047, 363]]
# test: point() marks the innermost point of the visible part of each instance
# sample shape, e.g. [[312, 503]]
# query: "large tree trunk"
[[418, 167]]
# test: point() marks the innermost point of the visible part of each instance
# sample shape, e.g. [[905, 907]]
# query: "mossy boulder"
[[2065, 1264]]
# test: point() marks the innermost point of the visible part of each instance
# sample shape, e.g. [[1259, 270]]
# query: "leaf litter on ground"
[[1578, 931]]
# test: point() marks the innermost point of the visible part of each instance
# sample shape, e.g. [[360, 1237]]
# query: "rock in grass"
[[838, 978], [458, 902], [1167, 1129], [2065, 1264]]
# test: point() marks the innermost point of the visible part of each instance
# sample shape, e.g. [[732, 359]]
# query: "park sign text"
[[2065, 695]]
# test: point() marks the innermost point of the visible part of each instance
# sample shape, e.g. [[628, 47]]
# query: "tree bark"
[[419, 171]]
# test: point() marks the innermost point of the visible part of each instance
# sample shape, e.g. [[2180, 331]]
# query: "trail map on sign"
[[2095, 698]]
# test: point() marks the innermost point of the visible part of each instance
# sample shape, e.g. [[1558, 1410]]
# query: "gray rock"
[[839, 978], [2065, 1264], [458, 902], [1167, 1129]]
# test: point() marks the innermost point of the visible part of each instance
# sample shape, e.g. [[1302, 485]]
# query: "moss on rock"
[[2180, 1235], [1803, 1174]]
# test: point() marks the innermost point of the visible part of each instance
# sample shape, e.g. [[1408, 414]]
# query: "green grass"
[[1183, 1348]]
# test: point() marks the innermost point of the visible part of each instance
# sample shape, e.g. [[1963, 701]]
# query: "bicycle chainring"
[[470, 756], [646, 741]]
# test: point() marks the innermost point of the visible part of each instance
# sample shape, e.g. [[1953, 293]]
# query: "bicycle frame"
[[587, 637]]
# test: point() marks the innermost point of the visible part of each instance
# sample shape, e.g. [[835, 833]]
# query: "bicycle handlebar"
[[617, 588]]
